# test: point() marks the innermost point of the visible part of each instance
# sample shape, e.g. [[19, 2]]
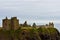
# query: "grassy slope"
[[30, 33]]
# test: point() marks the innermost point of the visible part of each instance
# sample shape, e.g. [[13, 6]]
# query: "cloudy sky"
[[39, 11]]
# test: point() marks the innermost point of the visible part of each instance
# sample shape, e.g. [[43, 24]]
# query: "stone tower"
[[14, 23], [6, 24], [10, 24], [51, 25]]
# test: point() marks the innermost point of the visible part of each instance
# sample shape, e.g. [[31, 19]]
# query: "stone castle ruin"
[[10, 24], [13, 24]]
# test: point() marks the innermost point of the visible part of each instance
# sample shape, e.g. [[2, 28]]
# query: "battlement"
[[13, 17]]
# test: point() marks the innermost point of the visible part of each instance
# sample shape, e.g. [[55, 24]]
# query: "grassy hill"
[[30, 33]]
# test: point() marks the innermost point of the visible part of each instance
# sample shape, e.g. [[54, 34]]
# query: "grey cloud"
[[48, 9]]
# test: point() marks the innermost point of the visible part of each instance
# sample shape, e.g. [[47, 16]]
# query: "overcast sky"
[[39, 11]]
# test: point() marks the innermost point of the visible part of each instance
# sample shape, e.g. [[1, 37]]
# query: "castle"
[[13, 24], [10, 24]]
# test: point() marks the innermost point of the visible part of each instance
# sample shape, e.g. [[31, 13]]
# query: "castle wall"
[[6, 24], [51, 25], [14, 23], [9, 24]]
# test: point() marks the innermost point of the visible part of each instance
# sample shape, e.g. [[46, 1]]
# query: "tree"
[[34, 25]]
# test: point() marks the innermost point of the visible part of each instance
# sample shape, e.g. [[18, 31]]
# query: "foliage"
[[30, 34]]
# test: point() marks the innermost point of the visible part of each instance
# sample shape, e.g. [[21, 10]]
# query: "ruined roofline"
[[18, 19], [10, 18], [13, 18]]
